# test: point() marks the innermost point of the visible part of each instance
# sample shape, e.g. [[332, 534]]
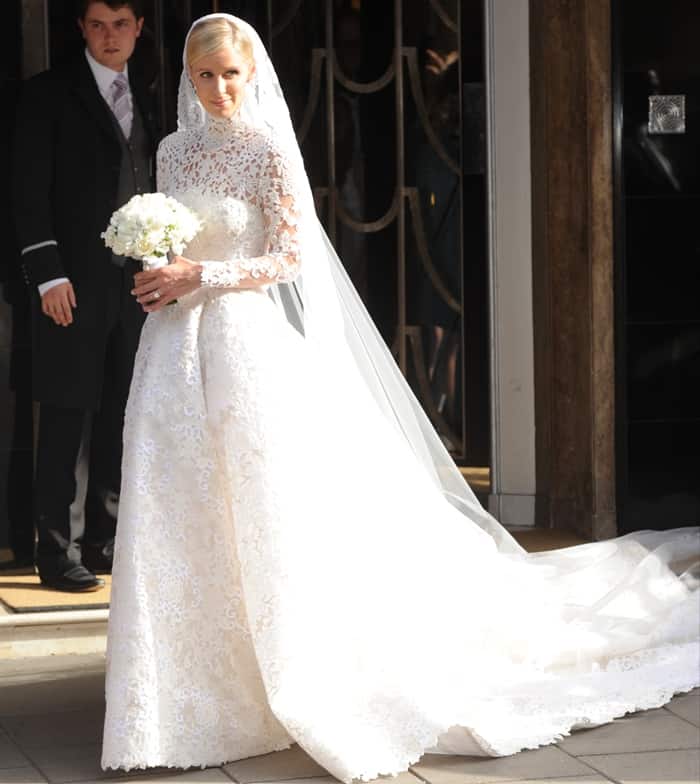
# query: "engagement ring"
[[156, 294]]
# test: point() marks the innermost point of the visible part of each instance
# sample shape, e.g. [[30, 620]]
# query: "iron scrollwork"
[[334, 91]]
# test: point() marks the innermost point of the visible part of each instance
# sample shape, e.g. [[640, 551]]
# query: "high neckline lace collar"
[[219, 129]]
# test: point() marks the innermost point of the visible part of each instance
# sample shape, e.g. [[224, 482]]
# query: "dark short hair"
[[135, 5]]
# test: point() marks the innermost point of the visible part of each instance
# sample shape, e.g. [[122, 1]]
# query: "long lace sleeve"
[[163, 164], [278, 197]]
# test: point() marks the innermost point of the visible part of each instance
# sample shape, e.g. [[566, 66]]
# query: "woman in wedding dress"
[[362, 605]]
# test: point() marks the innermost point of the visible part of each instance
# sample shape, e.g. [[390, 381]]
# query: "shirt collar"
[[103, 76]]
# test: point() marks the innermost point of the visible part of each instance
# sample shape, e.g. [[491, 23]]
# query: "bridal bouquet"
[[148, 226]]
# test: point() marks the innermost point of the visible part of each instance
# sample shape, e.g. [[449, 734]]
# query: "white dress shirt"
[[104, 77]]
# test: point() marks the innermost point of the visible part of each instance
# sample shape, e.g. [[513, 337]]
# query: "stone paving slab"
[[10, 756], [207, 776], [59, 693], [23, 775], [545, 763], [290, 764], [592, 779], [313, 780], [287, 765], [73, 728], [62, 764], [667, 767], [51, 723], [657, 730], [687, 706]]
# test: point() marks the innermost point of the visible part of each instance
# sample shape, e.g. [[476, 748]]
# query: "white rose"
[[119, 247], [144, 246]]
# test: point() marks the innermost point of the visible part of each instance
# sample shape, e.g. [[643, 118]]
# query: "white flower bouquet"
[[148, 226]]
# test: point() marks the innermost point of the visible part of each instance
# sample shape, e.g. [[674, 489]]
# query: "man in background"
[[85, 144]]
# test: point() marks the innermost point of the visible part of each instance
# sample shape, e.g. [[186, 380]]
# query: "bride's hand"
[[154, 289]]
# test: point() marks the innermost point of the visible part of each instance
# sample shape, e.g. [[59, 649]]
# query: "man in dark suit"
[[84, 146]]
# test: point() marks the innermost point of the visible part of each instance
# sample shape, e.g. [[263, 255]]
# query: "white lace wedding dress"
[[284, 573]]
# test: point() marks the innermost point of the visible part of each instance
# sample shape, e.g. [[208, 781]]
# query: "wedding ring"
[[156, 294]]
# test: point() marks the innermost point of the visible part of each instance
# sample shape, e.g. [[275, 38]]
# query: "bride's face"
[[220, 79]]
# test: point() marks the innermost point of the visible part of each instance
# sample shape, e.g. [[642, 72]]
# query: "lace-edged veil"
[[323, 304]]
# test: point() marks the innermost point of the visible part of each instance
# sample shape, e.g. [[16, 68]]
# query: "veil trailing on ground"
[[323, 303]]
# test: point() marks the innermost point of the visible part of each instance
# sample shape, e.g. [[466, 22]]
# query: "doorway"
[[657, 192]]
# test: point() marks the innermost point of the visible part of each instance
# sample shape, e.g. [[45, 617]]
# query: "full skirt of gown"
[[287, 574]]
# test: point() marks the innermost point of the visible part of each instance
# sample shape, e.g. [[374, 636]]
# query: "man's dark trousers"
[[62, 433]]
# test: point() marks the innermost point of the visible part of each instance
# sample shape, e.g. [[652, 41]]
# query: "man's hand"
[[58, 304], [156, 288]]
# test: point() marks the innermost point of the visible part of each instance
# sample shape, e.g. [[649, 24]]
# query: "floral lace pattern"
[[252, 231], [272, 578]]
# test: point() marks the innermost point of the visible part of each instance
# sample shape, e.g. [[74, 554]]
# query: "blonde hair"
[[213, 34]]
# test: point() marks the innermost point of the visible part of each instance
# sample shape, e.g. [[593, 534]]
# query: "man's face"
[[110, 35]]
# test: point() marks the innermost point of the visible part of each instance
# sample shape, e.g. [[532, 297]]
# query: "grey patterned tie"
[[119, 94]]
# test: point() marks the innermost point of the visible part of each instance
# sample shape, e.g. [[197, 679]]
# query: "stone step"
[[67, 632]]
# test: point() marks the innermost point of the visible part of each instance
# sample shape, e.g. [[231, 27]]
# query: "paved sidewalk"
[[51, 713]]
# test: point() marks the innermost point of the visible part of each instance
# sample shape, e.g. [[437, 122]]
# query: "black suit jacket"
[[66, 176]]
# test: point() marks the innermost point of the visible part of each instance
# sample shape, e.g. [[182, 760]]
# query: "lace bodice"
[[245, 189]]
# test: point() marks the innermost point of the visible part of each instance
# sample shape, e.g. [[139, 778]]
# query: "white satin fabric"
[[287, 567]]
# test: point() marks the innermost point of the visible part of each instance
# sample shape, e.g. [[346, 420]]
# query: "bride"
[[264, 595]]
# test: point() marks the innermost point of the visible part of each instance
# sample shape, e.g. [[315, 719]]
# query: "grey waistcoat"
[[134, 174]]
